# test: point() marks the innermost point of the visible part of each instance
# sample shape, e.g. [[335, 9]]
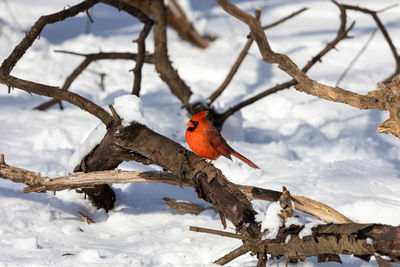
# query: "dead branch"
[[37, 183], [363, 240], [185, 206], [163, 65], [285, 201], [341, 34], [85, 218], [384, 99], [234, 68], [56, 92], [383, 30], [214, 232], [243, 54], [9, 63], [232, 255], [137, 71], [176, 18], [89, 58], [354, 60], [326, 239]]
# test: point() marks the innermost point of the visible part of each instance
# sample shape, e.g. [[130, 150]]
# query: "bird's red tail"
[[244, 159]]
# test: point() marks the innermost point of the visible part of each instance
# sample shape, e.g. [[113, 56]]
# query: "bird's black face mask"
[[192, 125]]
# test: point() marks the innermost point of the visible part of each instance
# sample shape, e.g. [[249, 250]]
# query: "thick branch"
[[177, 19], [163, 65], [304, 83], [38, 183]]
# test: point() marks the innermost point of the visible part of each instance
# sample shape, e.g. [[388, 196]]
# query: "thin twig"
[[243, 54], [185, 206], [9, 63], [232, 255], [354, 60], [88, 15], [214, 232], [85, 218], [89, 58], [381, 27], [235, 66], [137, 71]]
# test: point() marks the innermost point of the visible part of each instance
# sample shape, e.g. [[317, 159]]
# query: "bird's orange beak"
[[190, 124]]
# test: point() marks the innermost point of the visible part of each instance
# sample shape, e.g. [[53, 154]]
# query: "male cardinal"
[[205, 140]]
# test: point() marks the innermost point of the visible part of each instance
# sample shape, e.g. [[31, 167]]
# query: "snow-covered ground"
[[327, 151]]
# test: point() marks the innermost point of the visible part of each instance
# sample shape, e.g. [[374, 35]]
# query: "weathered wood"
[[214, 232], [185, 206], [175, 18], [38, 183]]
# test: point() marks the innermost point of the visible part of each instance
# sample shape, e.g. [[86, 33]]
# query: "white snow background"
[[326, 151]]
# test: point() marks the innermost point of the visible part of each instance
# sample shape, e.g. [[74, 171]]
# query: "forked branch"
[[384, 99], [243, 54], [341, 34]]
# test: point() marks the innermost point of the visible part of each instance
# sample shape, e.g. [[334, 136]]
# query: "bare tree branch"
[[56, 92], [342, 34], [304, 83], [243, 54], [382, 28], [232, 255], [163, 65], [39, 183], [9, 63], [185, 206], [176, 18], [148, 23], [354, 60], [234, 68], [89, 58]]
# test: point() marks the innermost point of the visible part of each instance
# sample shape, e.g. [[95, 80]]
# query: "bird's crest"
[[199, 116]]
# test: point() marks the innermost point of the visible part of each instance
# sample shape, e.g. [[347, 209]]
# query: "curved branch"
[[381, 27], [56, 92], [9, 63], [141, 56], [163, 65], [304, 83], [342, 34]]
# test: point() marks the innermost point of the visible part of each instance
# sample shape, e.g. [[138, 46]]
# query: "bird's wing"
[[218, 143]]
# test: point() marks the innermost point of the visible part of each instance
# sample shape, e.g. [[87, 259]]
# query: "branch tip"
[[90, 17], [115, 115]]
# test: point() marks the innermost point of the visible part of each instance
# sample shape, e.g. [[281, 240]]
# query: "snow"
[[130, 109], [327, 151], [270, 221], [88, 144]]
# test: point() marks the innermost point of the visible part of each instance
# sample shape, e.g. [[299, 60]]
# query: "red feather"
[[205, 140]]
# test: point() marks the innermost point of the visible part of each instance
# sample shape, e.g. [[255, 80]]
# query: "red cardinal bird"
[[205, 140]]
